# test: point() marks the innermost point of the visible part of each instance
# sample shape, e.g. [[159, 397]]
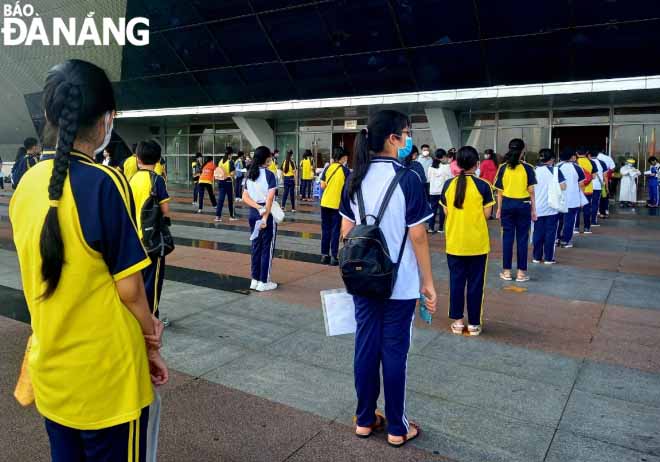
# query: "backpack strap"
[[389, 193]]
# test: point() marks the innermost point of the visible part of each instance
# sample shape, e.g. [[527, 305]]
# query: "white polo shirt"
[[573, 174], [407, 208], [545, 177], [259, 188]]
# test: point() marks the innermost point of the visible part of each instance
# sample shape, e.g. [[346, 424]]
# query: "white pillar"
[[444, 127], [257, 131]]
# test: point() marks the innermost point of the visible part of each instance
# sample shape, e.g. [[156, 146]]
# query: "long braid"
[[66, 103]]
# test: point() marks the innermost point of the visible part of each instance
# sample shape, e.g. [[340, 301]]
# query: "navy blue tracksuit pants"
[[121, 443], [516, 219], [383, 336], [306, 189], [595, 202], [225, 188], [153, 276], [567, 225], [467, 272], [289, 191], [262, 247], [544, 237], [585, 212], [437, 211], [330, 228]]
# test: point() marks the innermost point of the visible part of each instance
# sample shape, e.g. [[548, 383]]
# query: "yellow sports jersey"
[[588, 169], [141, 189], [292, 169], [88, 362], [466, 229], [130, 167], [514, 182], [307, 169], [335, 177], [273, 167]]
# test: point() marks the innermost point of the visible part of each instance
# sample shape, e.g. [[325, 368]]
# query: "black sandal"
[[405, 437], [378, 425]]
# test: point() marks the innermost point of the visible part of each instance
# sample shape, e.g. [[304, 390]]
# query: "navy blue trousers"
[[584, 213], [225, 188], [595, 202], [306, 189], [112, 444], [567, 225], [238, 187], [437, 211], [195, 189], [467, 273], [262, 248], [384, 332], [201, 187], [330, 228], [289, 191], [544, 237], [153, 276], [516, 219], [653, 191]]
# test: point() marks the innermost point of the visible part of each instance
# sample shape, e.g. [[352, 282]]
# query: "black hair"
[[493, 156], [451, 153], [198, 155], [76, 95], [208, 159], [29, 143], [438, 156], [338, 153], [409, 158], [516, 147], [261, 155], [148, 152], [566, 154], [546, 155], [425, 146], [133, 147], [307, 154], [22, 152], [286, 166], [653, 158], [466, 158], [581, 151], [241, 154], [371, 141]]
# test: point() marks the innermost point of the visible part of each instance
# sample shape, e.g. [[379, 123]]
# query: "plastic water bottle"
[[425, 314]]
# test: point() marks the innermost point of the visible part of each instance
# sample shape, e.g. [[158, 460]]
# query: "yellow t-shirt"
[[514, 182], [307, 170], [292, 169], [588, 167], [88, 362], [141, 190], [273, 167], [130, 167], [466, 229], [335, 180]]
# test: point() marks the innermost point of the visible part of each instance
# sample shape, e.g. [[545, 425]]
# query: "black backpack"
[[364, 261], [156, 235]]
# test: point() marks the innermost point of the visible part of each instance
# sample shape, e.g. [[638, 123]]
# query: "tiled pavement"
[[568, 368]]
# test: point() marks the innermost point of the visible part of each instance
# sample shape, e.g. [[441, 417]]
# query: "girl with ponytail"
[[516, 208], [467, 201], [94, 340], [378, 155]]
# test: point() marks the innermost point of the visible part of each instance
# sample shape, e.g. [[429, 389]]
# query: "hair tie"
[[54, 203]]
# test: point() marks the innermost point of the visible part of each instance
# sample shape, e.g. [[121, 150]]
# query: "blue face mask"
[[406, 150]]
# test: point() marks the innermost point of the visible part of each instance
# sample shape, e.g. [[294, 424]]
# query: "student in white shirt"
[[598, 187], [574, 176], [438, 174], [545, 227]]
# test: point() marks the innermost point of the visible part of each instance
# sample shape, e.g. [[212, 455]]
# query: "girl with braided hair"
[[94, 347]]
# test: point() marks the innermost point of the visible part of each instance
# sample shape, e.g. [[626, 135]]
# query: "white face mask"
[[425, 153], [109, 123]]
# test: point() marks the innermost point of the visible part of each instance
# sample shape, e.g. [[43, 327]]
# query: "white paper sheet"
[[338, 312]]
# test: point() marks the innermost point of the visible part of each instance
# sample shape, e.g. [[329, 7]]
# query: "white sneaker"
[[233, 219], [254, 284], [536, 261], [266, 286], [474, 330]]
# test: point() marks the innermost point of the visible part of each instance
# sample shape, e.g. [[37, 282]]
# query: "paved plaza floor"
[[568, 367]]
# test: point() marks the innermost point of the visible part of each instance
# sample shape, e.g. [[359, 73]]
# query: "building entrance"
[[589, 136]]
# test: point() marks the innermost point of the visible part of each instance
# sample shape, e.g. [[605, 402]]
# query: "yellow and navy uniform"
[[229, 167], [588, 168], [335, 177], [466, 229], [292, 170], [514, 182], [154, 274], [47, 154], [468, 244], [273, 167], [516, 212], [130, 167], [88, 360], [307, 169]]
